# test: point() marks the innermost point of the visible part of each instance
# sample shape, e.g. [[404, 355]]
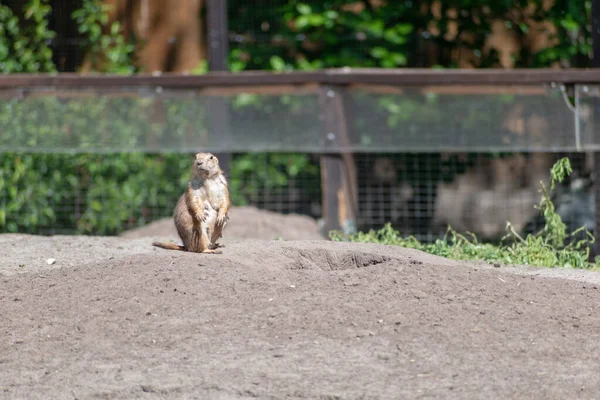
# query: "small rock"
[[496, 265], [50, 261], [419, 294], [147, 389]]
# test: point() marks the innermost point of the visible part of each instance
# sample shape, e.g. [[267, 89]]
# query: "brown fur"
[[201, 213]]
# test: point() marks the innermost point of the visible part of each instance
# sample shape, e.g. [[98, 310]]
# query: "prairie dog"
[[201, 213]]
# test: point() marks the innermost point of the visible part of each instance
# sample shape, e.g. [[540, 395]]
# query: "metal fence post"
[[218, 34], [596, 120], [338, 170], [218, 52]]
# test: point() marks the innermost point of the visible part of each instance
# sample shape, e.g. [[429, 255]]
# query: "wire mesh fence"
[[106, 194], [419, 194], [422, 194], [103, 158]]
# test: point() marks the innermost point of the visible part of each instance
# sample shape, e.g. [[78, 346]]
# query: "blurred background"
[[97, 187]]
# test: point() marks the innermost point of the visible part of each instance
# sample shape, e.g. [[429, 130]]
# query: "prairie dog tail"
[[168, 246]]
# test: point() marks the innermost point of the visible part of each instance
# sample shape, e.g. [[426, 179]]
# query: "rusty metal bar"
[[404, 77], [338, 170], [596, 121], [277, 90]]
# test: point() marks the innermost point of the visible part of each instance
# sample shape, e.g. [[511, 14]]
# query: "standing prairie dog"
[[201, 213]]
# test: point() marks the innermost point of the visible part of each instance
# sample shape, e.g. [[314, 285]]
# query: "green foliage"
[[106, 194], [309, 34], [124, 188], [555, 229], [256, 172], [25, 39], [572, 20], [87, 193], [108, 52], [544, 249], [314, 34], [24, 44], [110, 189]]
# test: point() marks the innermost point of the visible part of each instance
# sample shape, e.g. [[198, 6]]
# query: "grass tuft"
[[546, 248]]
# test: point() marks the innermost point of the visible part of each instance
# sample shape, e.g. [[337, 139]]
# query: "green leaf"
[[404, 29], [394, 37], [569, 24], [399, 59], [304, 9], [302, 22], [114, 29], [379, 52], [316, 19], [277, 63], [96, 205], [330, 14]]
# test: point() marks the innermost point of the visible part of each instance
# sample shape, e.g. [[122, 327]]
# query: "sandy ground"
[[246, 222], [303, 319]]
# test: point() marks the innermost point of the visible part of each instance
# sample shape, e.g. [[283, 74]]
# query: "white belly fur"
[[212, 191], [210, 213]]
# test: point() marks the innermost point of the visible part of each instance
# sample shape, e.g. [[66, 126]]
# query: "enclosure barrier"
[[335, 113]]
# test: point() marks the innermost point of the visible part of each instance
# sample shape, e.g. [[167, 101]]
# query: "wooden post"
[[218, 52], [338, 170], [596, 120]]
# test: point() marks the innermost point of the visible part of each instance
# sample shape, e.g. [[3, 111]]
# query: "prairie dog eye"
[[211, 157]]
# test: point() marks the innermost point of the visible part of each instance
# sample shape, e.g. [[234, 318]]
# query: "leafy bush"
[[309, 34], [105, 194], [267, 172], [107, 52], [24, 44], [87, 193], [544, 249]]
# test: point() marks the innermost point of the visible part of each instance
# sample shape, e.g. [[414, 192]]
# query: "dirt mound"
[[116, 318], [246, 223], [330, 260]]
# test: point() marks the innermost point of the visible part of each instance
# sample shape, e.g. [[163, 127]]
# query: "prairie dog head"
[[205, 165]]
